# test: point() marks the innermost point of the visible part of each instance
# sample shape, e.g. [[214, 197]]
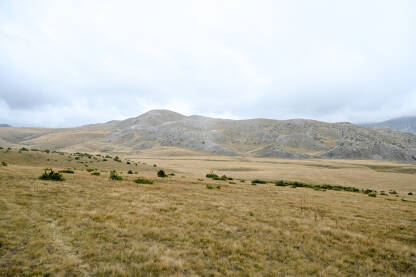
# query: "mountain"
[[294, 139], [403, 124], [4, 125]]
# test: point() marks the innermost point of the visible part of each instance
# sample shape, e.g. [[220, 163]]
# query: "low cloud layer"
[[69, 63]]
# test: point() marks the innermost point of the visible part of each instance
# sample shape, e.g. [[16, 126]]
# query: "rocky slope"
[[295, 139]]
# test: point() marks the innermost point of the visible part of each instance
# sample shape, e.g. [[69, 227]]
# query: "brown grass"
[[92, 226]]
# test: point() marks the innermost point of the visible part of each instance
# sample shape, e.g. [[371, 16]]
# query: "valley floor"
[[188, 225]]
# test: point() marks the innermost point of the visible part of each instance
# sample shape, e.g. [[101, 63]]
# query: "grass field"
[[190, 225]]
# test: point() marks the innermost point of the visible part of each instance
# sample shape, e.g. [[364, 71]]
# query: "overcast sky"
[[70, 63]]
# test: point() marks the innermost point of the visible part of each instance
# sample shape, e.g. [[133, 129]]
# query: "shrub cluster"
[[216, 177], [213, 187], [4, 163], [115, 176], [52, 175], [95, 173], [117, 159]]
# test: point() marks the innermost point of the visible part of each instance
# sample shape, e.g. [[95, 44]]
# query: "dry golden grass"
[[93, 226]]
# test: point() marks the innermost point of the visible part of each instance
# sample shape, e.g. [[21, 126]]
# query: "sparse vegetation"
[[4, 163], [94, 226], [115, 176], [52, 175], [141, 180], [67, 170], [95, 173], [90, 169], [117, 159], [130, 172]]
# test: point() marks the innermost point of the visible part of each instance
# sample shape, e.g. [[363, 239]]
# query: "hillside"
[[403, 124], [295, 139]]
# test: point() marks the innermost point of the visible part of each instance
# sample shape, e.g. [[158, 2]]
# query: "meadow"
[[186, 224]]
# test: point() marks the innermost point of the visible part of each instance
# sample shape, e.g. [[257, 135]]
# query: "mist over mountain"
[[294, 139], [403, 124]]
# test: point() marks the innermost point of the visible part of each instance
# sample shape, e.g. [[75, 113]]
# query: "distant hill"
[[294, 139], [5, 125], [403, 124]]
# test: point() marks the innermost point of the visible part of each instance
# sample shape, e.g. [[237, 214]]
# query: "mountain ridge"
[[403, 124], [292, 138]]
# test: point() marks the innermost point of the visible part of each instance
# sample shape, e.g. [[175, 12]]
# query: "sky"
[[71, 63]]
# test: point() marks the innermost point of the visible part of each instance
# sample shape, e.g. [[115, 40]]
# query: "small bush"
[[171, 174], [90, 169], [68, 170], [117, 159], [372, 194], [128, 162], [257, 181], [47, 151], [3, 163], [23, 149], [251, 213], [141, 180], [130, 172], [161, 173], [52, 175], [95, 173], [209, 187], [232, 183], [154, 165], [393, 192], [115, 176], [212, 175], [410, 193]]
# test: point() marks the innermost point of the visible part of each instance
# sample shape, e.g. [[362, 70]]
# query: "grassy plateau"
[[298, 218]]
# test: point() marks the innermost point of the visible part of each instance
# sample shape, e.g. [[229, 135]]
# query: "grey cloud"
[[78, 62]]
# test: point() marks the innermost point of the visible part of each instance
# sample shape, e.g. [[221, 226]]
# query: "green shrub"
[[154, 165], [410, 193], [23, 149], [161, 173], [171, 174], [392, 192], [115, 176], [128, 162], [212, 175], [257, 181], [130, 172], [209, 187], [47, 151], [117, 159], [68, 170], [90, 169], [4, 163], [232, 183], [141, 180], [95, 173], [372, 194], [51, 175]]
